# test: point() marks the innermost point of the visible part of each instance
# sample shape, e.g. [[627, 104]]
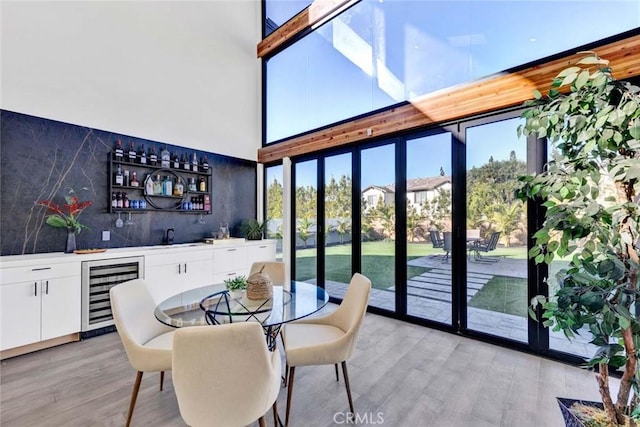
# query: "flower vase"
[[71, 241]]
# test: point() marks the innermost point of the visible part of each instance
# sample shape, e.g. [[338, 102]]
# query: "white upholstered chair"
[[276, 271], [327, 340], [146, 341], [224, 375]]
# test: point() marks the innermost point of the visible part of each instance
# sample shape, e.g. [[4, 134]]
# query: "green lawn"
[[501, 294], [377, 261]]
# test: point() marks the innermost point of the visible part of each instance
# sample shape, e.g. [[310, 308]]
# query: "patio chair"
[[446, 246], [485, 246], [436, 241]]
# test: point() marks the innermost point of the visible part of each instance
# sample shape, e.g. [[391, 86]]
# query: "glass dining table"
[[213, 305]]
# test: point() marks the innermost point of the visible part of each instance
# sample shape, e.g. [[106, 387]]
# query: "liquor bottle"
[[134, 180], [114, 200], [118, 152], [176, 161], [157, 186], [142, 155], [178, 189], [132, 153], [126, 182], [203, 185], [167, 186], [185, 162], [192, 184], [125, 201], [205, 164], [165, 157], [119, 200], [153, 157], [194, 162], [119, 178], [148, 185], [207, 203]]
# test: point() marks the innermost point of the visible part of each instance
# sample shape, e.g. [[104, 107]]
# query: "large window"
[[379, 53]]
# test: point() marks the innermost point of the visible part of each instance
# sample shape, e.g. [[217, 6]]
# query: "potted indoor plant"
[[66, 216], [236, 285], [253, 229], [590, 191]]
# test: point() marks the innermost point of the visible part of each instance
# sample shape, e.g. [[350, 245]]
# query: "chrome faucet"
[[169, 235]]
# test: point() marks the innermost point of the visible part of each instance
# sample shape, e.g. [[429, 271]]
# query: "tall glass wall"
[[379, 53]]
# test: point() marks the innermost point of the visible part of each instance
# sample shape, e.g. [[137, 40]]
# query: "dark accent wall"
[[41, 159]]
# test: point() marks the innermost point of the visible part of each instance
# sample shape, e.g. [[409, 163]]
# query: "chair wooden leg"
[[134, 396], [285, 380], [262, 422], [292, 372], [346, 383], [276, 418], [161, 379], [337, 377]]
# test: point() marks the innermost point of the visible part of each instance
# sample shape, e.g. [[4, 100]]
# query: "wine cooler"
[[97, 278]]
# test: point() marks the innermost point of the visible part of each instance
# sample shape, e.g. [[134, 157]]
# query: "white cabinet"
[[170, 271], [229, 262], [264, 250], [38, 303], [235, 260]]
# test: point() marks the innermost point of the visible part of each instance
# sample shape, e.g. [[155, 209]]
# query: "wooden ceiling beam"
[[490, 94], [315, 14]]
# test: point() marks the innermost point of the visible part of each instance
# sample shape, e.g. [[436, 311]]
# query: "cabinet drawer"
[[39, 272], [175, 256], [229, 259]]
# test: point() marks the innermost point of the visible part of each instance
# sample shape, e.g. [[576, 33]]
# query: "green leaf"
[[569, 70], [634, 130], [582, 79], [537, 94]]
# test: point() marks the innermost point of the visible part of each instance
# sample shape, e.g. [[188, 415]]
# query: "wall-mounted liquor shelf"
[[182, 186]]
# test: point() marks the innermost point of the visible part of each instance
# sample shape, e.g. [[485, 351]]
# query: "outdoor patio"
[[429, 297]]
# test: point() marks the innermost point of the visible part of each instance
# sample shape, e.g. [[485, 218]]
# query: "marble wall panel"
[[41, 159]]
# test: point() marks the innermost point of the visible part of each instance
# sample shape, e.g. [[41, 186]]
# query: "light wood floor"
[[401, 375]]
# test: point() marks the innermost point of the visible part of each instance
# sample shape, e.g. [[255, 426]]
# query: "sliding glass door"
[[496, 231], [306, 220], [378, 228], [428, 219], [337, 224]]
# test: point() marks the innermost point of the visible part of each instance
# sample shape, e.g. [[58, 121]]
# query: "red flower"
[[67, 215]]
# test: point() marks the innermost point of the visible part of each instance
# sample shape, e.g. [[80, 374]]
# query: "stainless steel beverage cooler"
[[97, 278]]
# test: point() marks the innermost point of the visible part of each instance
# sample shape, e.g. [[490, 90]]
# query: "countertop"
[[11, 261]]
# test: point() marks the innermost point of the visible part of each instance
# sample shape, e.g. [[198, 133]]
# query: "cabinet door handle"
[[262, 247], [47, 287], [231, 274], [185, 268], [231, 250], [40, 269], [35, 288], [179, 268]]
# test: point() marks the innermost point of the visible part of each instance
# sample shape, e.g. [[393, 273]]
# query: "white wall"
[[181, 72]]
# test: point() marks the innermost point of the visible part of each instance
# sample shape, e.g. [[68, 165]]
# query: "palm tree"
[[342, 227], [508, 218], [304, 229]]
